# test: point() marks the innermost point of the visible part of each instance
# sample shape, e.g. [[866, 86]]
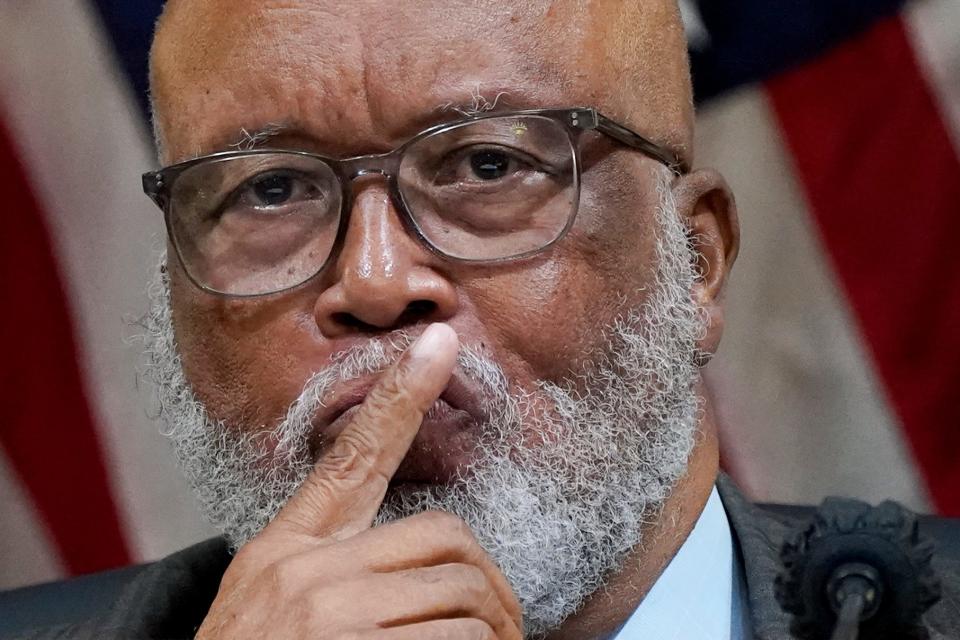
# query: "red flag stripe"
[[883, 181], [47, 429]]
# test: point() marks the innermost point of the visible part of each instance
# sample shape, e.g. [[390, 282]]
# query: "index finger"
[[346, 487]]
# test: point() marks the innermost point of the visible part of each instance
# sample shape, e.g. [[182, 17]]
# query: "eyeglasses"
[[488, 188]]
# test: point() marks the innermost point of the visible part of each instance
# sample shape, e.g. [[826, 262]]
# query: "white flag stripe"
[[84, 145], [697, 34], [804, 414], [934, 28], [26, 553]]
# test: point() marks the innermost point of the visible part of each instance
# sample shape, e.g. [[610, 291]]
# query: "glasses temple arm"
[[633, 139]]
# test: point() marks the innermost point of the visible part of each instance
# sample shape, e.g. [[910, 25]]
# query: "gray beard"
[[557, 517]]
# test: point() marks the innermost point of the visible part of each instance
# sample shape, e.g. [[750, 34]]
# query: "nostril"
[[414, 312], [352, 321], [417, 310]]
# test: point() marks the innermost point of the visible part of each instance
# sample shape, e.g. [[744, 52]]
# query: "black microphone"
[[857, 572]]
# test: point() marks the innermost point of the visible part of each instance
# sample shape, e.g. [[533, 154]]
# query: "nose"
[[382, 279]]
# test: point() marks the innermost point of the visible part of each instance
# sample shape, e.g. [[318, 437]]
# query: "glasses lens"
[[494, 188], [257, 223]]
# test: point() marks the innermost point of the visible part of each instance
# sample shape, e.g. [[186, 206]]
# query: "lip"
[[459, 395]]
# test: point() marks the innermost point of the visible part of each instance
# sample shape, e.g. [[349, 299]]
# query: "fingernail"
[[432, 338]]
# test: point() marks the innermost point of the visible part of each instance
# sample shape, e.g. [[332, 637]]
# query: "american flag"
[[837, 122]]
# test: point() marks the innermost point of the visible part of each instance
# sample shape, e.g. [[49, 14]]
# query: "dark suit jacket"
[[169, 598]]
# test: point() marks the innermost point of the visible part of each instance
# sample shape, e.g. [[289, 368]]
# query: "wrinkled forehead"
[[360, 77]]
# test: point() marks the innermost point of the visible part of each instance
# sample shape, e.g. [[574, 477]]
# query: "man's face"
[[342, 82], [576, 383]]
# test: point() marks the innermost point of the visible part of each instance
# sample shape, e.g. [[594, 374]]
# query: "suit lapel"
[[759, 537]]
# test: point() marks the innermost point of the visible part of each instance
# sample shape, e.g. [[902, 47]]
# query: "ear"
[[707, 207]]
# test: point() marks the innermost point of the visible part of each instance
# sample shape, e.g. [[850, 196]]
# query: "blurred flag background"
[[837, 122]]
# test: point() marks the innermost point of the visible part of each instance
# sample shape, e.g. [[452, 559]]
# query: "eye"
[[272, 190], [485, 166], [275, 191], [489, 164]]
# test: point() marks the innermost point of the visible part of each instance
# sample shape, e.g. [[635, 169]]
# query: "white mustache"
[[373, 357]]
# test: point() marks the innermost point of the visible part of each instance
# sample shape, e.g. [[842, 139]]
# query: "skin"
[[343, 83]]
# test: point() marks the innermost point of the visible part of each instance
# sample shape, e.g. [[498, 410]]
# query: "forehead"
[[361, 76]]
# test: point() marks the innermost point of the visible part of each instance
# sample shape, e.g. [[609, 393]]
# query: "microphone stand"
[[855, 587]]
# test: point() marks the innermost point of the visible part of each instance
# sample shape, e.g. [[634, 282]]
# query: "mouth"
[[446, 436]]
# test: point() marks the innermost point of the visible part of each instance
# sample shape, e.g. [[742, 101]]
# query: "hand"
[[321, 571]]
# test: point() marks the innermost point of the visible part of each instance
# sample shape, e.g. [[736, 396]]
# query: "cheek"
[[245, 361], [553, 314]]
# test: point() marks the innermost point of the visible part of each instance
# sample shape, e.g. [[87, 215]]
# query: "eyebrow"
[[477, 104], [248, 139]]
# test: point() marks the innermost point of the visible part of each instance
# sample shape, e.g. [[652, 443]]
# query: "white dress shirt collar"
[[701, 593]]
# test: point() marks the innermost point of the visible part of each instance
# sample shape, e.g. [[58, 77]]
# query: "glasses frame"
[[158, 184]]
